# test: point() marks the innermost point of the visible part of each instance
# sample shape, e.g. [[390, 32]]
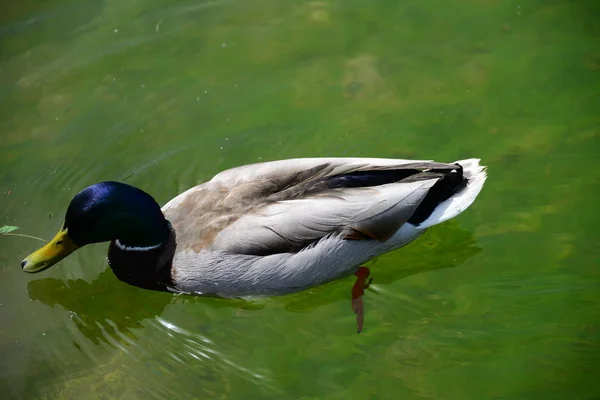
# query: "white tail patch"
[[133, 248], [459, 202]]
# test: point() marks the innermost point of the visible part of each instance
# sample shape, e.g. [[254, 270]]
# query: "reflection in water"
[[105, 310], [109, 312]]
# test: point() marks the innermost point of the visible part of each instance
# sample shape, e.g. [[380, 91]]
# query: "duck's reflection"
[[107, 310], [103, 310]]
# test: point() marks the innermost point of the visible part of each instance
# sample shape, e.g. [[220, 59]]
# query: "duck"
[[266, 229]]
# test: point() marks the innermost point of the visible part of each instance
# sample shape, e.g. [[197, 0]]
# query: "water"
[[500, 303]]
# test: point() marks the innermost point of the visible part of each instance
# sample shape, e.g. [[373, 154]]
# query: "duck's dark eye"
[[59, 242]]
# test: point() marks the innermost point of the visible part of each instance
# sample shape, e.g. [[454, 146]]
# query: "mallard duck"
[[266, 229]]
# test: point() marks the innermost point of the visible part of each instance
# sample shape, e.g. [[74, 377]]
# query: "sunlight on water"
[[198, 347]]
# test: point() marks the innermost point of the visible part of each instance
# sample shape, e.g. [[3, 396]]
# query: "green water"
[[502, 302]]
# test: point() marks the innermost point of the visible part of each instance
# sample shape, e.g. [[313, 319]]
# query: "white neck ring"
[[133, 248]]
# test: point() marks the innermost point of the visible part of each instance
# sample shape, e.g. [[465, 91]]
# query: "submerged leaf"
[[7, 229]]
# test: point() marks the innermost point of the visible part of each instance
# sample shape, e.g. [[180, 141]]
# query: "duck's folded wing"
[[344, 206], [285, 206], [286, 173]]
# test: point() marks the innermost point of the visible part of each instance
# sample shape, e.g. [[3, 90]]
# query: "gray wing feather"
[[293, 224], [273, 207]]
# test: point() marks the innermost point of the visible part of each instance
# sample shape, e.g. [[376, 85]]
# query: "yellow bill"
[[54, 251]]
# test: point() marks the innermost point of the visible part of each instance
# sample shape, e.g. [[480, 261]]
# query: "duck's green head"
[[104, 212]]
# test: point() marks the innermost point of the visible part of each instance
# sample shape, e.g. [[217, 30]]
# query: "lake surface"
[[502, 302]]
